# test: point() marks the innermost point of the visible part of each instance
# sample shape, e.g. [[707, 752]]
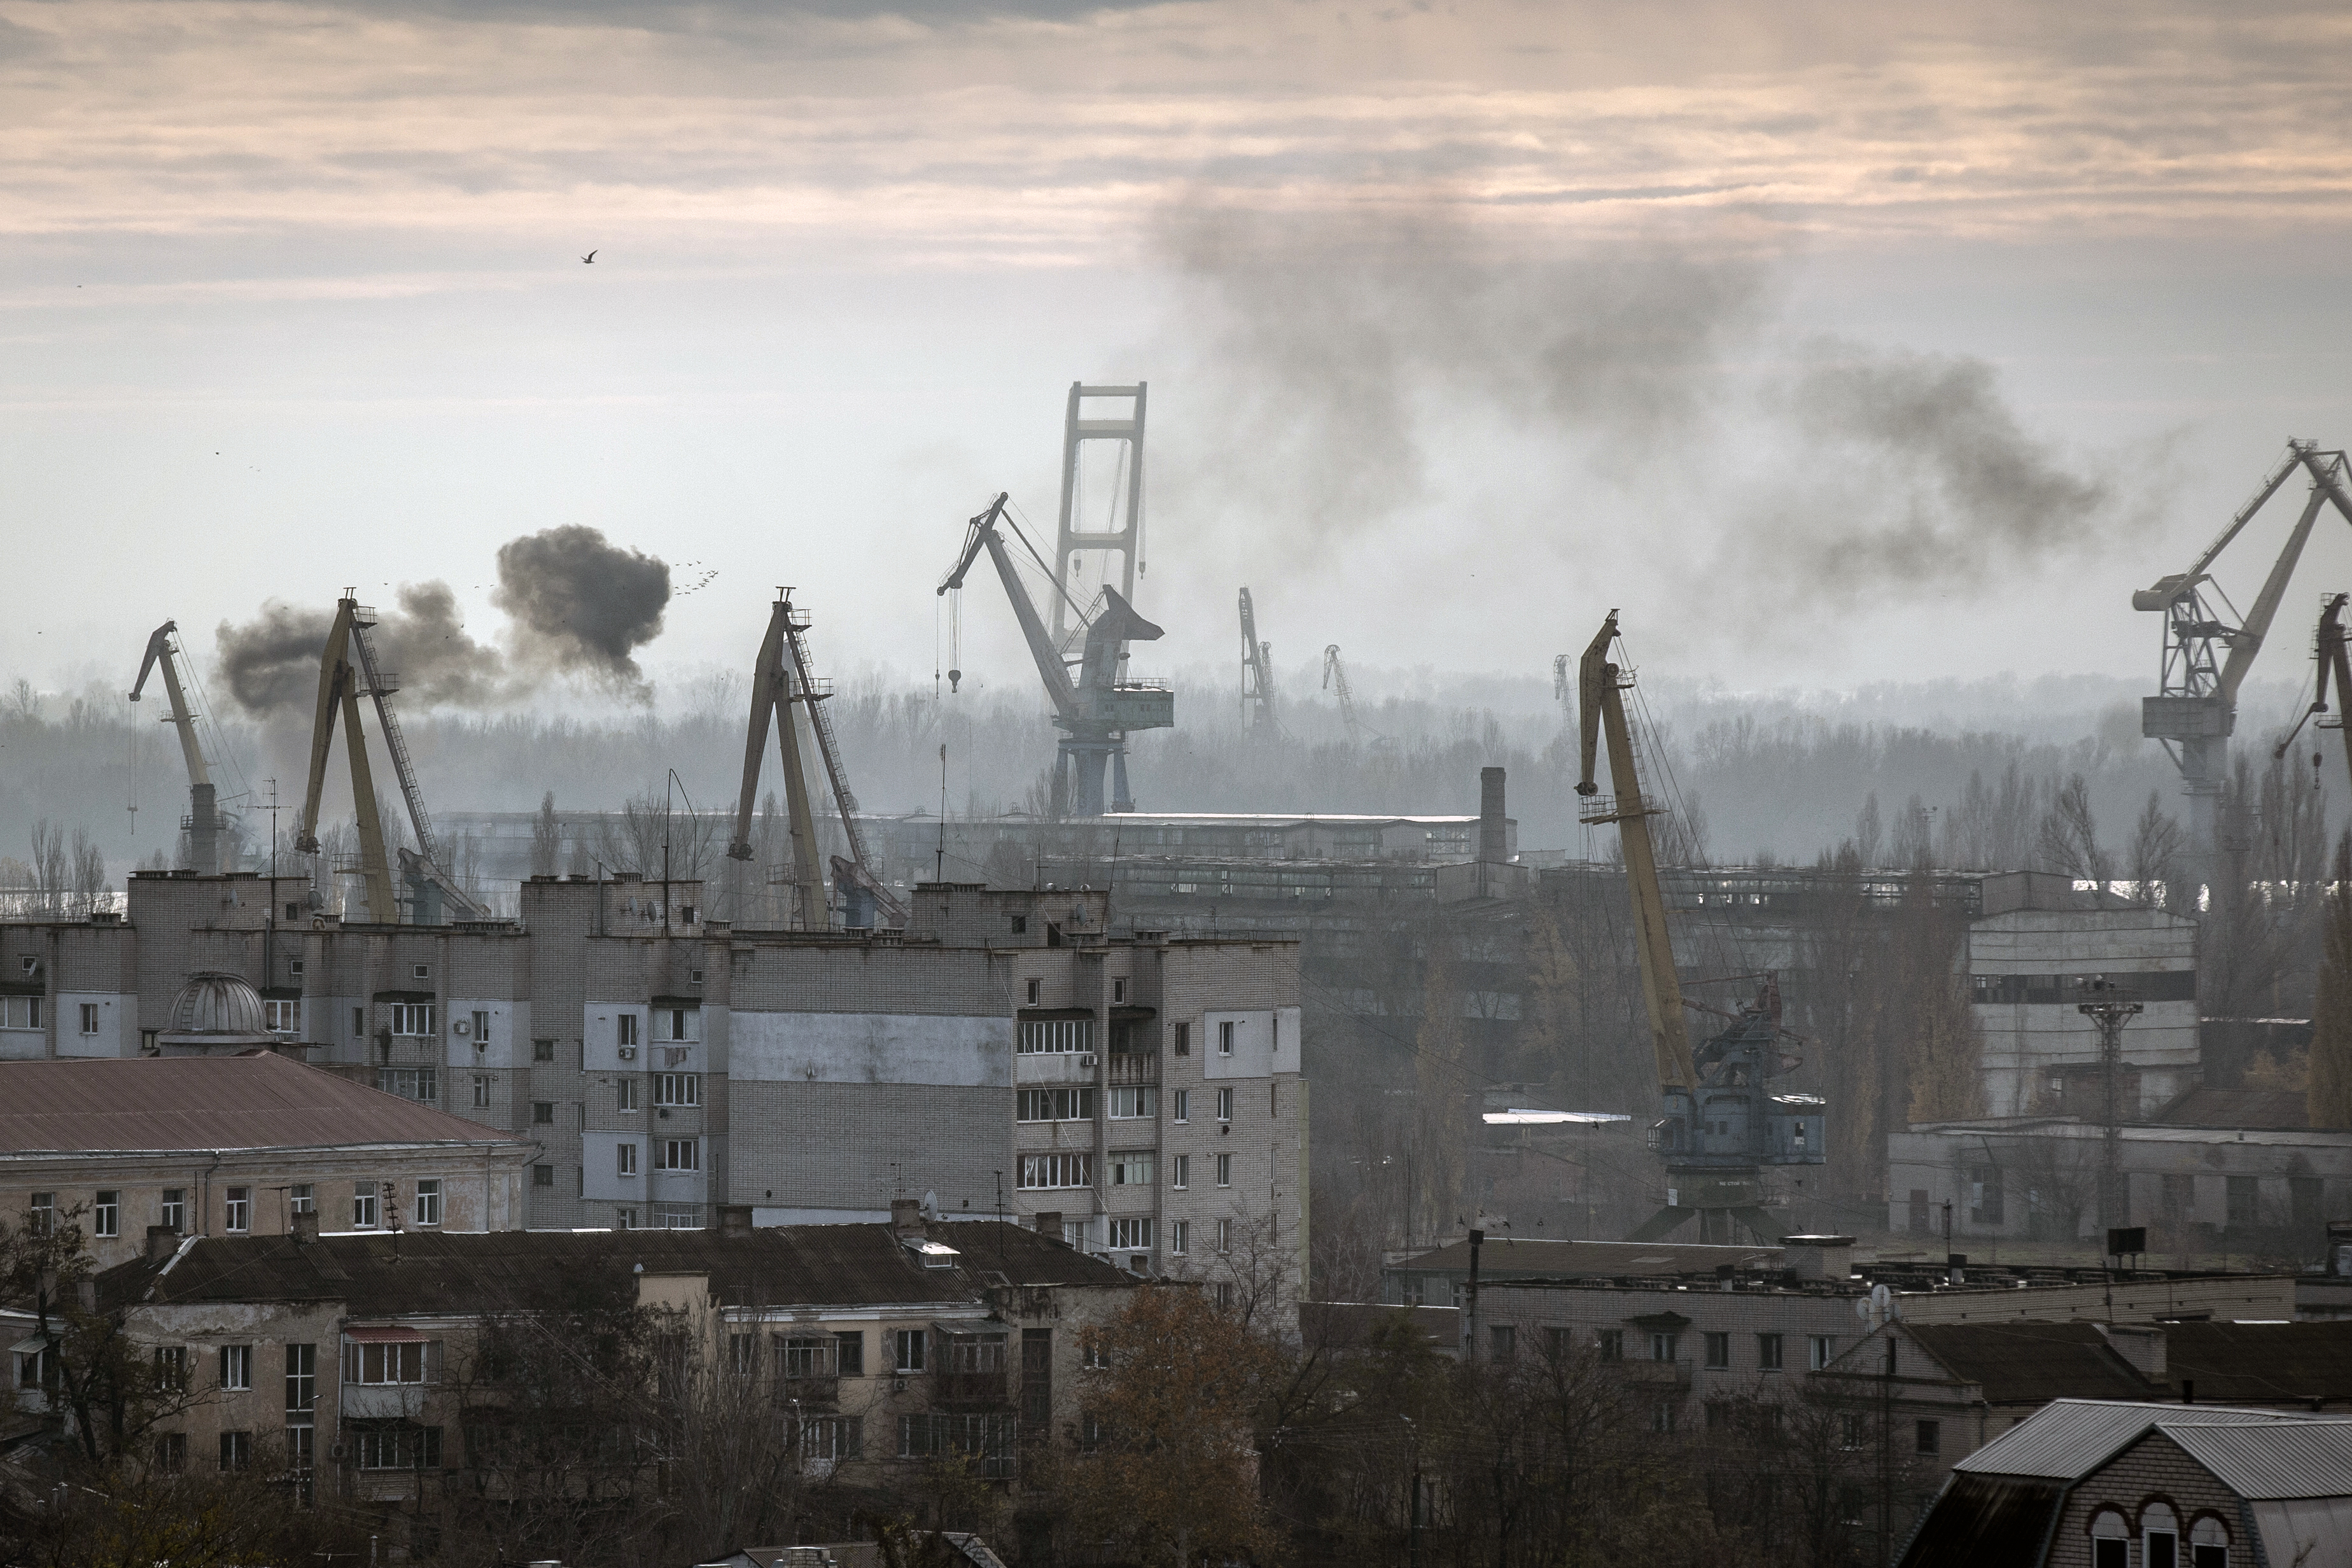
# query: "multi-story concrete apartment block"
[[1007, 1052], [237, 1145]]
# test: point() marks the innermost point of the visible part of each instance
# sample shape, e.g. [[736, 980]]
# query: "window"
[[171, 1367], [908, 1345], [237, 1366], [1179, 1171], [1768, 1352], [20, 1012], [1119, 990], [1224, 1236], [401, 1361], [90, 1017], [831, 1438], [1985, 1199], [1055, 1105], [1056, 1036], [2110, 1541], [410, 1083], [1182, 1107], [1822, 1351], [542, 1112], [236, 1450], [2160, 1532], [363, 1198], [1928, 1436], [397, 1446], [43, 1207], [428, 1201], [281, 1017], [1179, 1235], [1224, 1170], [1558, 1344], [420, 971], [2208, 1543], [1226, 1038], [849, 1352], [174, 1210], [2245, 1196], [481, 1028], [1662, 1346], [1127, 1235], [359, 1023], [677, 1089], [106, 1214], [1031, 990], [1132, 1167], [677, 1155], [543, 1175], [542, 1050], [1184, 1039], [302, 1379], [412, 1018], [624, 1159], [1134, 1103], [1662, 1418], [800, 1357], [1853, 1431], [295, 967], [1503, 1342], [172, 1453], [1225, 1293], [482, 1091], [624, 1095], [1224, 1105], [1613, 1344], [626, 1216], [299, 1199], [1040, 1170], [678, 1024], [1718, 1351], [2179, 1196], [625, 1029]]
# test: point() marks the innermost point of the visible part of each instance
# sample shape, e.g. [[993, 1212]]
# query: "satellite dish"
[[930, 1209]]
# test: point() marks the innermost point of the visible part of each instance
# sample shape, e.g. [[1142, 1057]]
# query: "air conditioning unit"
[[461, 1028], [628, 1053], [336, 1452], [1087, 1061]]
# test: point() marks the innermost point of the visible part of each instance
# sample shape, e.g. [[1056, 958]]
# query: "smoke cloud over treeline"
[[1356, 355], [577, 605]]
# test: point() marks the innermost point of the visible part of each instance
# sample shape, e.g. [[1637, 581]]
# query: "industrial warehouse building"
[[1005, 1053]]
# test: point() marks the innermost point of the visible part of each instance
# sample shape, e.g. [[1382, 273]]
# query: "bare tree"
[[2156, 843], [546, 837]]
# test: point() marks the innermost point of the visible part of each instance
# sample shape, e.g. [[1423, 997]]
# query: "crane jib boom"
[[1603, 703], [986, 535], [859, 868]]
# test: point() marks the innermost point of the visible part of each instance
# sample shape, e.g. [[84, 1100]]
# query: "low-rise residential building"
[[2119, 1484], [404, 1368], [239, 1146]]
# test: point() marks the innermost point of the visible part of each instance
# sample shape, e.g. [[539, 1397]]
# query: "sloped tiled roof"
[[2030, 1363], [428, 1271], [2256, 1363], [261, 1100]]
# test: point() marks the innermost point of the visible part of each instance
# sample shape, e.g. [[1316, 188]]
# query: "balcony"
[[971, 1390], [1654, 1375], [809, 1391], [1133, 1068]]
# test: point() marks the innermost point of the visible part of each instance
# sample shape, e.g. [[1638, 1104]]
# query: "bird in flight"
[[591, 256]]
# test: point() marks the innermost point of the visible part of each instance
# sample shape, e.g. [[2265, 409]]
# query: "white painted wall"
[[118, 1025]]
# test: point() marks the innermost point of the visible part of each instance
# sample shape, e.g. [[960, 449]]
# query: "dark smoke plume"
[[578, 606], [1351, 354]]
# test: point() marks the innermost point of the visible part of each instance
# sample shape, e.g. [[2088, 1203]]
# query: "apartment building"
[[383, 1369], [238, 1145], [1007, 1053]]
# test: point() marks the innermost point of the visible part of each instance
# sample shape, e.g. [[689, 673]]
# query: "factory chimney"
[[1493, 843]]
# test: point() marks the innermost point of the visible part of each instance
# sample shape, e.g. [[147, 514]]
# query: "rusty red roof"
[[259, 1101]]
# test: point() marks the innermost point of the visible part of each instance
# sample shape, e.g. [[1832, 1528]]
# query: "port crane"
[[2206, 658], [1335, 680], [205, 820], [1097, 710], [348, 670], [2328, 650], [1258, 673], [1723, 1124], [784, 691]]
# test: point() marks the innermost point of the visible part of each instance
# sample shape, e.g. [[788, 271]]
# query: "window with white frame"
[[1224, 1170], [1822, 1351], [1181, 1105], [1118, 991], [912, 1347], [624, 1159], [1225, 1037], [90, 1017], [428, 1201], [172, 1212], [20, 1012], [481, 1028], [482, 1091], [1055, 1036], [1055, 1105], [1132, 1167], [1179, 1171], [624, 1095], [1224, 1236], [43, 1207], [397, 1446], [1041, 1171], [1179, 1234], [679, 1025], [105, 1212], [625, 1029], [410, 1083], [412, 1018], [236, 1367], [1224, 1105], [279, 1017], [300, 1199], [401, 1361], [677, 1089], [1031, 989], [831, 1438], [364, 1201], [1130, 1235], [677, 1155], [1133, 1103]]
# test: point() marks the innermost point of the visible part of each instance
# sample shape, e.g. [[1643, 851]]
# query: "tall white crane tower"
[[1101, 519]]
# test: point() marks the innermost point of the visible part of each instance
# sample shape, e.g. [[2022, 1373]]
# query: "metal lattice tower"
[[1116, 524]]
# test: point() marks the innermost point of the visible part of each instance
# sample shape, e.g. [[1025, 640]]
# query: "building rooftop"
[[1509, 1258], [2276, 1109], [431, 1272], [2069, 1438], [255, 1100], [2017, 1363]]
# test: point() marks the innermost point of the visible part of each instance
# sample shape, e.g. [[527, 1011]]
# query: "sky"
[[1835, 343]]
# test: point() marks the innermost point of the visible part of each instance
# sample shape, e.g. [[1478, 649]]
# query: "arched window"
[[2110, 1540], [2159, 1537], [2208, 1543]]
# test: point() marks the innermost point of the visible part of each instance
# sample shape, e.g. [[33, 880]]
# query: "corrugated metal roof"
[[2306, 1459], [259, 1102], [2068, 1439]]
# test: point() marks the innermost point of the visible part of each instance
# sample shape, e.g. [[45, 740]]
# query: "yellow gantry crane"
[[348, 670], [204, 821]]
